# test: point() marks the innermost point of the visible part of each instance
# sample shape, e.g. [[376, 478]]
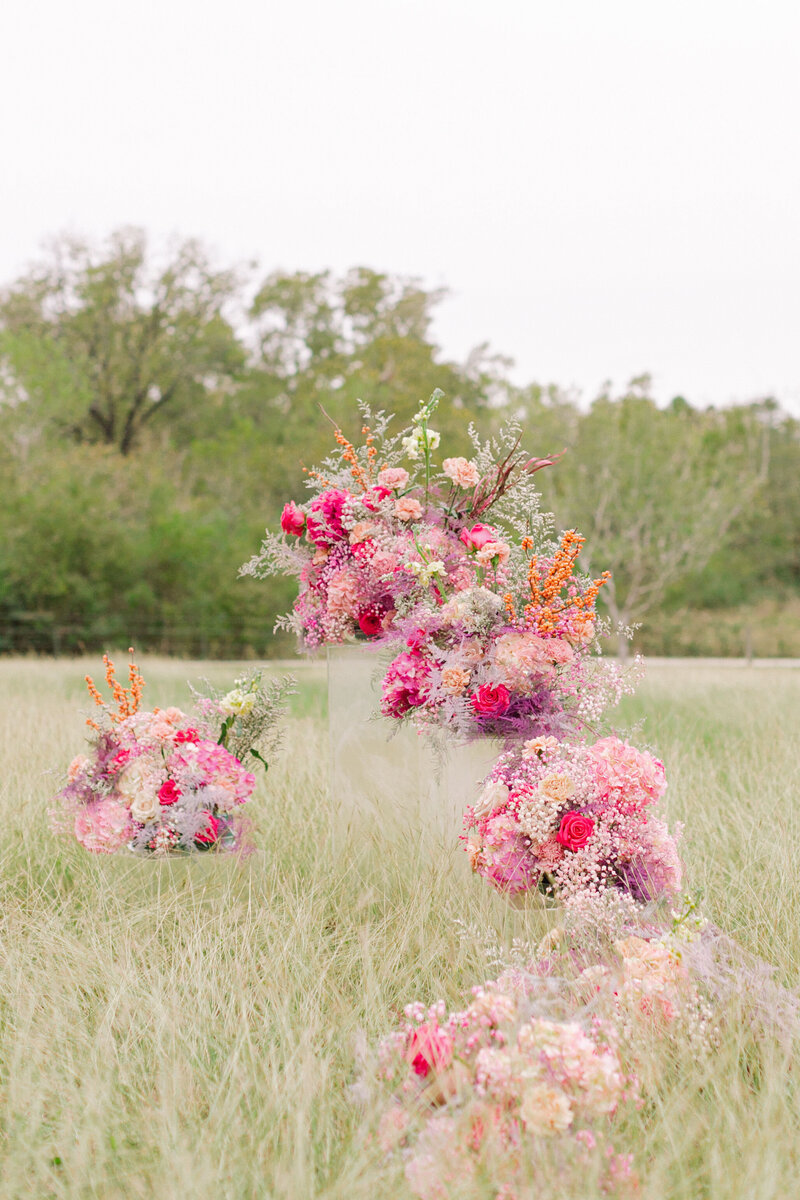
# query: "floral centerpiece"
[[387, 527], [574, 821], [168, 782]]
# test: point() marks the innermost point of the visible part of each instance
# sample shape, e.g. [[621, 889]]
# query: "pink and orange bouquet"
[[166, 782], [512, 662], [575, 822], [387, 529]]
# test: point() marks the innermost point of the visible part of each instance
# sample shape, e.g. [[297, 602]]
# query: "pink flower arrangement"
[[163, 782], [572, 820]]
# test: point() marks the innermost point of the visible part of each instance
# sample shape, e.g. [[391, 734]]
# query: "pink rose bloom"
[[490, 701], [463, 473], [210, 831], [370, 623], [393, 478], [103, 826], [169, 792], [430, 1047], [575, 830], [477, 537], [293, 519], [407, 509], [324, 524]]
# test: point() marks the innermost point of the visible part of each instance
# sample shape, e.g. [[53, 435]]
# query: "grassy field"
[[187, 1029]]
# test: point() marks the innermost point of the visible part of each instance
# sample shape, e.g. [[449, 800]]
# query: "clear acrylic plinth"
[[386, 780]]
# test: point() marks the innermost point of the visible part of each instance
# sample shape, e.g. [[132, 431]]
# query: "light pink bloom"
[[393, 478], [478, 536], [76, 766], [407, 509], [462, 472], [103, 826]]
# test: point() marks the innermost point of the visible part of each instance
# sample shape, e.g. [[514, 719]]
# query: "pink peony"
[[490, 701], [393, 478], [575, 830], [407, 509], [477, 537], [103, 826], [293, 519], [169, 792]]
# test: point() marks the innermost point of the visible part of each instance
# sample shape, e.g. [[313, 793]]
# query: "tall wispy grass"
[[188, 1029]]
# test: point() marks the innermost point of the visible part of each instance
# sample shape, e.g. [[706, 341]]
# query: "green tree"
[[97, 344], [655, 491]]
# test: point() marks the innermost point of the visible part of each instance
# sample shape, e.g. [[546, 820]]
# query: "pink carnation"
[[407, 509], [344, 595], [406, 684], [324, 522], [462, 472], [393, 478], [103, 826]]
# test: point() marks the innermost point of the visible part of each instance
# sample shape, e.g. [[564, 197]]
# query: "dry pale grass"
[[187, 1029]]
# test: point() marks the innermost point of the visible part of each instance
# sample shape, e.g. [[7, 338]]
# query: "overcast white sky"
[[607, 187]]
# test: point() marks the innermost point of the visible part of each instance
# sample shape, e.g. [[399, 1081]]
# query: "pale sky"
[[607, 187]]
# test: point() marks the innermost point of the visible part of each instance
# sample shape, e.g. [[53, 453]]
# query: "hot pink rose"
[[293, 519], [370, 623], [169, 792], [430, 1048], [210, 832], [575, 830], [491, 701], [477, 537]]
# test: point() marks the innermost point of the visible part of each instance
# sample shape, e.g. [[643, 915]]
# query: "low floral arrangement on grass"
[[574, 821], [167, 782], [521, 1089]]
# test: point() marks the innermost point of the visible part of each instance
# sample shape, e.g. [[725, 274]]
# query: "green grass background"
[[188, 1029]]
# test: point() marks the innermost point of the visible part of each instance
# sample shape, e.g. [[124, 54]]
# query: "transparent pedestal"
[[386, 780]]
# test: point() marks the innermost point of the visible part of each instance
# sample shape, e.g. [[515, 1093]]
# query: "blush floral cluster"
[[575, 821], [165, 782]]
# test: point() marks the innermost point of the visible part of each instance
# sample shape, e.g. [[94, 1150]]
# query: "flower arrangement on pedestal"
[[166, 782], [574, 821], [494, 628]]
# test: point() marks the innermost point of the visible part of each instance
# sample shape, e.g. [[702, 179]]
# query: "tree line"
[[155, 411]]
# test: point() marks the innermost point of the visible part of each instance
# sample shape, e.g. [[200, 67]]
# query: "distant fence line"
[[42, 633]]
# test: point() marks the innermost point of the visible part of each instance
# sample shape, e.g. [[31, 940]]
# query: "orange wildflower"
[[127, 699]]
